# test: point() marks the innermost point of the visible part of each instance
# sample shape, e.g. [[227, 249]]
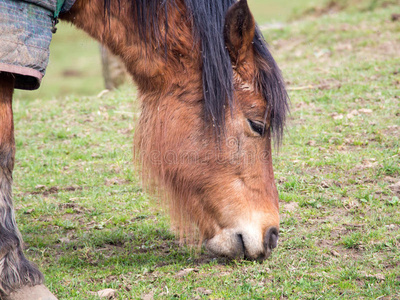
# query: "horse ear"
[[239, 31]]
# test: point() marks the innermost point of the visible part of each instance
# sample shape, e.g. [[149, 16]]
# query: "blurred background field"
[[75, 68]]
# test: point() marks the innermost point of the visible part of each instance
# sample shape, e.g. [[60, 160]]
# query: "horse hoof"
[[37, 292]]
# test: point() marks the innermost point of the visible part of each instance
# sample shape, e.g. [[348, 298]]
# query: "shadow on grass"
[[137, 247]]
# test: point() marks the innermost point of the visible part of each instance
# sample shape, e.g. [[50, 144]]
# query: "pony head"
[[213, 157]]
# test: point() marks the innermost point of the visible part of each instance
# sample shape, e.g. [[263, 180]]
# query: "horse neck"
[[158, 65]]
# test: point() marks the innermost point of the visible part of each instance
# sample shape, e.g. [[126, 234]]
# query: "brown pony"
[[212, 97]]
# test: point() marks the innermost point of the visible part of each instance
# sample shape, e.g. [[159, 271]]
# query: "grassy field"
[[89, 226]]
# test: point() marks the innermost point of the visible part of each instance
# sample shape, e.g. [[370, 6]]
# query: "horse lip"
[[261, 257]]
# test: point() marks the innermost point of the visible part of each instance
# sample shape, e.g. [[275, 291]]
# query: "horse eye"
[[257, 126]]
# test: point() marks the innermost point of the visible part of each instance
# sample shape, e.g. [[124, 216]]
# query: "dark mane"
[[208, 17]]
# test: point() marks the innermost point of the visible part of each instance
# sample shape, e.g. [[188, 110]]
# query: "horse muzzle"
[[244, 243]]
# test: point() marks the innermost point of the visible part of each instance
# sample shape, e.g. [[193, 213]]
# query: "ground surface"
[[89, 226]]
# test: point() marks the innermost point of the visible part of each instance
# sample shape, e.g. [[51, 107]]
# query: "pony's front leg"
[[19, 278]]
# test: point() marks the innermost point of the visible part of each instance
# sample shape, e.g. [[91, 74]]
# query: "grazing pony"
[[212, 98]]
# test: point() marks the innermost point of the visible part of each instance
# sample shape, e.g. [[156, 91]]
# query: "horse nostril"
[[271, 238]]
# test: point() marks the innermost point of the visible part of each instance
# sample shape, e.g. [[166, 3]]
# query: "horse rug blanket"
[[25, 36]]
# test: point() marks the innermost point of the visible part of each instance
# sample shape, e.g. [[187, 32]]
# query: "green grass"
[[279, 10], [89, 226]]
